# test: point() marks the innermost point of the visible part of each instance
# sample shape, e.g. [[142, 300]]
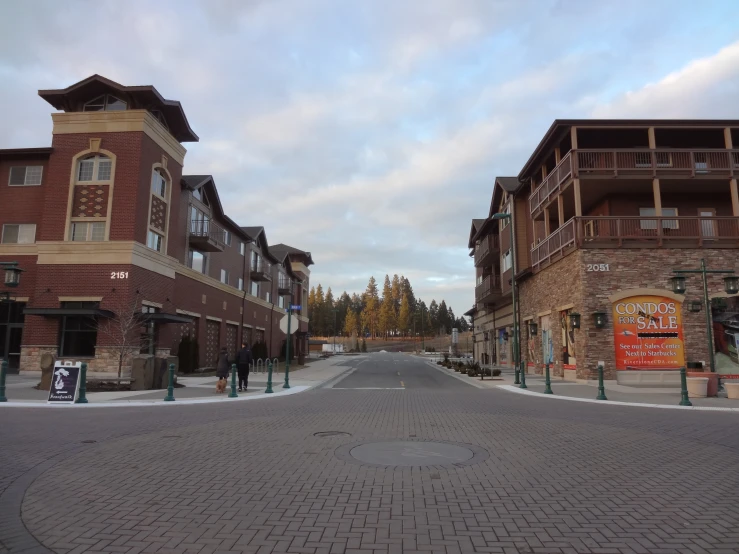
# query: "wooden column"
[[732, 183], [657, 197], [573, 137], [547, 228], [578, 200], [652, 141], [560, 209], [557, 155]]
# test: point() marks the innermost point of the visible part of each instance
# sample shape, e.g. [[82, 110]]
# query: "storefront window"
[[78, 334]]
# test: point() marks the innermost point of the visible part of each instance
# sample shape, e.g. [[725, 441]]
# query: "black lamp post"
[[731, 286], [12, 275]]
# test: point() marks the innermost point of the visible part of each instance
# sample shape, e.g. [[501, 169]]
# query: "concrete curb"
[[513, 388], [454, 374]]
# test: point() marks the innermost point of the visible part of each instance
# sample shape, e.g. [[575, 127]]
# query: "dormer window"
[[105, 103]]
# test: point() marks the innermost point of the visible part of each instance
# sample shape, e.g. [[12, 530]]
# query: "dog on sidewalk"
[[221, 386]]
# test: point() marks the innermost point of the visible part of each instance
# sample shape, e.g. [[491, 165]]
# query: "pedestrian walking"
[[243, 362], [222, 368]]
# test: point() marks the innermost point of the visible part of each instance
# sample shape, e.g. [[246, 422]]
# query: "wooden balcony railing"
[[637, 232], [487, 289], [636, 163], [485, 247], [554, 245]]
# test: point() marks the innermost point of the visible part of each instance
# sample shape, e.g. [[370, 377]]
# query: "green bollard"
[[547, 380], [170, 387], [684, 400], [523, 376], [269, 380], [601, 388], [516, 381], [3, 373], [233, 393], [82, 397]]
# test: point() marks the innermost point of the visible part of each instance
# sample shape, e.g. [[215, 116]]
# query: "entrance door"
[[11, 333], [708, 228]]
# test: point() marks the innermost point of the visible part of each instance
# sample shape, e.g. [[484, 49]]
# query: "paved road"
[[253, 476]]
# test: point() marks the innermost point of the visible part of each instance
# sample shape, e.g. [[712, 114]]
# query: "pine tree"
[[397, 291], [328, 313], [318, 312], [371, 311], [408, 291], [404, 316], [311, 310], [443, 317], [387, 310], [433, 317]]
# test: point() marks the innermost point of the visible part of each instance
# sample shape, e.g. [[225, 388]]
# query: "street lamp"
[[731, 286], [12, 277], [516, 343]]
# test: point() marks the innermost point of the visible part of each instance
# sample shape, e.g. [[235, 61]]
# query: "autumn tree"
[[387, 310], [404, 316], [371, 311]]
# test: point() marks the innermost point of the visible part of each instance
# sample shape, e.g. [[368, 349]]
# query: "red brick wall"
[[26, 201]]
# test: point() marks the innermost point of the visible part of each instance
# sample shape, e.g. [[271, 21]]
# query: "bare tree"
[[124, 331]]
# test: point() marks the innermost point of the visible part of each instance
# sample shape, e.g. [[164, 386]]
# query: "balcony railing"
[[486, 246], [488, 289], [207, 235], [637, 163], [261, 270], [554, 245], [284, 285], [637, 232]]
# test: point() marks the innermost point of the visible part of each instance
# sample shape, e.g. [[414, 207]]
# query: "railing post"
[[523, 375], [82, 397], [517, 380], [269, 380], [233, 393], [3, 373], [684, 400], [170, 387], [547, 380], [601, 387]]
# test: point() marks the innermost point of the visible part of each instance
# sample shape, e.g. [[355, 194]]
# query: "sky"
[[370, 132]]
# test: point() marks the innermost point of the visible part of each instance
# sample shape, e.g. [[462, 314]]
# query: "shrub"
[[446, 357], [472, 372], [496, 372], [463, 371], [430, 349], [439, 363]]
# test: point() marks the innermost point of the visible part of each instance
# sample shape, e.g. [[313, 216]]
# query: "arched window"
[[105, 103], [94, 168], [159, 183]]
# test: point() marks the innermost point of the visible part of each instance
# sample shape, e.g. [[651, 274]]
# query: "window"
[[95, 168], [241, 284], [78, 334], [281, 301], [242, 249], [88, 232], [105, 103], [197, 261], [227, 237], [254, 260], [154, 241], [25, 176], [506, 262], [255, 289], [158, 183], [23, 233], [199, 222], [652, 223], [224, 277], [197, 195], [268, 296]]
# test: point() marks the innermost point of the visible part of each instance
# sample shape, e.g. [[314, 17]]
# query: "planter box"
[[712, 380], [697, 387], [732, 390]]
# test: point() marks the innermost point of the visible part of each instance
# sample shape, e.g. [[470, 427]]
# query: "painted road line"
[[368, 388]]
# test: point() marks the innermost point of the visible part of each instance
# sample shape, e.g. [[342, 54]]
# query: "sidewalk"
[[617, 394], [20, 389]]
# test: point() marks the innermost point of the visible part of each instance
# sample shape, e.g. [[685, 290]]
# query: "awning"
[[60, 312], [161, 317]]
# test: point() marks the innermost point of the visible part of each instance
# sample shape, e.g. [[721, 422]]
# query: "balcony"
[[207, 236], [488, 291], [485, 250], [634, 163], [636, 232], [284, 286], [260, 271]]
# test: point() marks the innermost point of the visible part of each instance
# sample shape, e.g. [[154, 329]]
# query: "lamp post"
[[516, 351], [12, 280], [731, 285]]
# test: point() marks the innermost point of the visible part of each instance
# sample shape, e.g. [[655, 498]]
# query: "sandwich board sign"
[[65, 383]]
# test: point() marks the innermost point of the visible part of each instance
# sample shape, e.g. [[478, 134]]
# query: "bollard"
[[684, 400], [547, 380], [3, 373], [269, 380], [233, 393], [170, 387], [523, 376], [82, 397], [601, 388], [516, 381]]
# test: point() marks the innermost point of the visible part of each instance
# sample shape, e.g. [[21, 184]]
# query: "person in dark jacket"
[[222, 368], [243, 361]]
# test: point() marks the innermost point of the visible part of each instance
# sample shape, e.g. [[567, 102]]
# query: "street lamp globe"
[[678, 284], [13, 276], [731, 284]]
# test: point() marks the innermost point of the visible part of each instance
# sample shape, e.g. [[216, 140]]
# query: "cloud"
[[370, 133]]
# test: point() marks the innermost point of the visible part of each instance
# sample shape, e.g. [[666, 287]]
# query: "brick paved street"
[[252, 477]]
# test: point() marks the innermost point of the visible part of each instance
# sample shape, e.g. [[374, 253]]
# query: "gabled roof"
[[477, 224], [294, 253], [139, 97], [509, 184], [194, 182], [258, 235]]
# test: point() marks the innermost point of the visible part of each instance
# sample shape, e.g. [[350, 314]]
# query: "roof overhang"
[[61, 312]]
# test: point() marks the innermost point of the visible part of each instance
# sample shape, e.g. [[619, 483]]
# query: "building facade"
[[604, 212], [122, 252]]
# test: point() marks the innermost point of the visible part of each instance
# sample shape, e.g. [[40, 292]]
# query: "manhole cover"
[[332, 434], [411, 453]]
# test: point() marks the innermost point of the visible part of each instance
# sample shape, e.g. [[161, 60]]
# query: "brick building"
[[603, 212], [107, 228]]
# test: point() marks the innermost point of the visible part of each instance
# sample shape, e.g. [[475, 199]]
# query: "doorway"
[[708, 228], [11, 333]]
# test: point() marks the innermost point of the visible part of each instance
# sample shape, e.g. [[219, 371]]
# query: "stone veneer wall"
[[105, 361], [567, 282]]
